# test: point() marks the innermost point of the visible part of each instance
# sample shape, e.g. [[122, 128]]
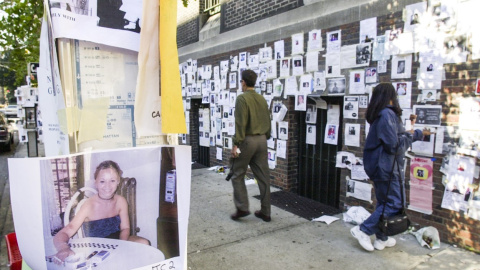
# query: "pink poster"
[[421, 179]]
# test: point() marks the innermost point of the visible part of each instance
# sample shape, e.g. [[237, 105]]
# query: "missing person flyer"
[[118, 209]]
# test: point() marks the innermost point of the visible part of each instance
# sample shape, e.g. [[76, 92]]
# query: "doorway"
[[318, 178], [201, 153]]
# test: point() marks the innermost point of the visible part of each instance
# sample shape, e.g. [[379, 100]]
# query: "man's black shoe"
[[239, 214], [265, 218]]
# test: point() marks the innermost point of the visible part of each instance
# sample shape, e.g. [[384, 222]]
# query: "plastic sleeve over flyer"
[[61, 191], [114, 23]]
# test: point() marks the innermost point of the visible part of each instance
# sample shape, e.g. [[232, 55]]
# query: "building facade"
[[427, 50]]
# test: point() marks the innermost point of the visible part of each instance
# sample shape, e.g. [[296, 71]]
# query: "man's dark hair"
[[249, 77], [381, 96]]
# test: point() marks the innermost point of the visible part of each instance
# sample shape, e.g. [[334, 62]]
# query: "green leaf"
[[19, 32]]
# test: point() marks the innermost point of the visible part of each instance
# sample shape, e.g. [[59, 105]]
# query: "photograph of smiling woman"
[[104, 215]]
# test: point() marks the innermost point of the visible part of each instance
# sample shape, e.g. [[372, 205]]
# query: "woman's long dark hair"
[[381, 97]]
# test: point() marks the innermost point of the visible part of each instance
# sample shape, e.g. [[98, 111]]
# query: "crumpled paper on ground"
[[252, 181], [356, 215], [326, 219], [428, 237], [218, 169]]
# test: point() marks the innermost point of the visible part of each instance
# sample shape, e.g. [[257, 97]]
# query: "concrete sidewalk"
[[215, 242], [19, 151], [290, 242]]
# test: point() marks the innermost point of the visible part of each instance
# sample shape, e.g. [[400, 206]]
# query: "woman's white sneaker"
[[380, 245], [363, 239]]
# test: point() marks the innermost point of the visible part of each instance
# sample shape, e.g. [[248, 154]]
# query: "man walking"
[[252, 129]]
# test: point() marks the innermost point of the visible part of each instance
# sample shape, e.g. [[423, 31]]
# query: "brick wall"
[[454, 227], [188, 23], [187, 33], [238, 13], [284, 176]]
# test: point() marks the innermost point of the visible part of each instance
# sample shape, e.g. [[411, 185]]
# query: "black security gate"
[[204, 156], [318, 178], [202, 152]]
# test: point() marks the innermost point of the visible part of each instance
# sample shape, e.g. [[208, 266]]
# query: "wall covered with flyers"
[[426, 49]]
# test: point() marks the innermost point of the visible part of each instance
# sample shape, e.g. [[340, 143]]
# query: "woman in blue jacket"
[[387, 140]]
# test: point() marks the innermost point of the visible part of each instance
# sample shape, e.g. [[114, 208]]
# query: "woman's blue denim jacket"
[[386, 139]]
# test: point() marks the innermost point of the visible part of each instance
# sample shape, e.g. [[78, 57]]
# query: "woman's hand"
[[427, 132], [60, 241], [60, 257]]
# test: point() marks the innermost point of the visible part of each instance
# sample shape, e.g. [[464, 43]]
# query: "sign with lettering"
[[32, 68]]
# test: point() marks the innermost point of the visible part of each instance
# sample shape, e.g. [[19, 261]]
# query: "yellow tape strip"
[[173, 117]]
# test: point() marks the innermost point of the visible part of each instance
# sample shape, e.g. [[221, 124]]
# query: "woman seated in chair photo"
[[103, 215]]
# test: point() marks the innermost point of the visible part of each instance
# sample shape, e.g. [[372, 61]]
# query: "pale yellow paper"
[[93, 120], [69, 119]]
